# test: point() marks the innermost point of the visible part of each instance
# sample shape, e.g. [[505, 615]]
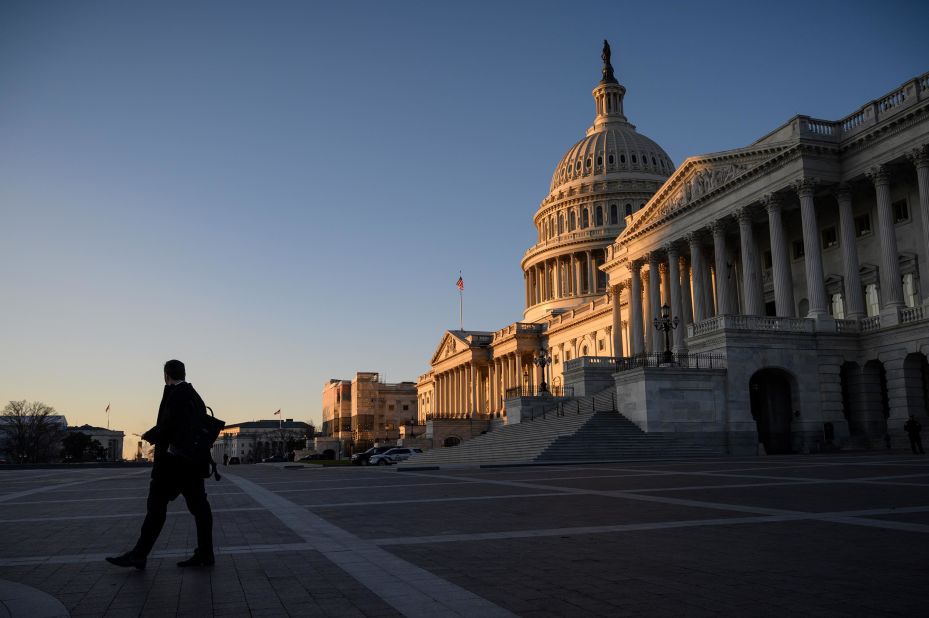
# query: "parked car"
[[274, 459], [363, 459], [394, 455]]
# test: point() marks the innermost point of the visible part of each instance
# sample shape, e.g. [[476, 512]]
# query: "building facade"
[[109, 439], [792, 263], [253, 441], [367, 410]]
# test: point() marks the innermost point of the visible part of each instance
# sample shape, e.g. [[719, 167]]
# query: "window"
[[901, 211], [653, 161], [910, 290], [614, 214], [797, 246], [600, 345], [628, 209], [837, 309], [567, 356], [611, 159], [390, 406], [577, 166], [560, 223], [872, 299], [829, 237], [862, 225], [571, 221], [584, 351], [634, 159], [599, 161], [556, 359], [406, 406], [599, 215], [622, 158], [588, 162], [585, 219]]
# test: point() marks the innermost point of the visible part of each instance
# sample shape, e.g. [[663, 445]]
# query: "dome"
[[614, 147]]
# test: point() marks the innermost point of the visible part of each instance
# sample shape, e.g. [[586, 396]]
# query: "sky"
[[280, 193]]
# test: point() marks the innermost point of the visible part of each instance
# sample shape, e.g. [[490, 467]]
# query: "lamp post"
[[542, 359], [666, 324]]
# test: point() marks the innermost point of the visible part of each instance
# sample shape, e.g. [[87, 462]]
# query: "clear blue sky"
[[282, 192]]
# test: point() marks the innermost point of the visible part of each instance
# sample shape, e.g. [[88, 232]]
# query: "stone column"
[[920, 158], [635, 304], [558, 291], [674, 285], [475, 375], [722, 269], [687, 306], [591, 283], [647, 311], [854, 299], [491, 388], [891, 283], [617, 330], [709, 302], [519, 369], [696, 265], [750, 282], [812, 254], [665, 286], [654, 298], [578, 289], [780, 260]]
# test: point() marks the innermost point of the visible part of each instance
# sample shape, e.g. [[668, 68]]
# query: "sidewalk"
[[826, 534]]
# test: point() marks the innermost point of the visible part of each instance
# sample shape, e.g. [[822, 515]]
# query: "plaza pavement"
[[825, 535]]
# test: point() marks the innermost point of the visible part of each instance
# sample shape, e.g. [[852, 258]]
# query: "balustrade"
[[913, 314], [871, 323]]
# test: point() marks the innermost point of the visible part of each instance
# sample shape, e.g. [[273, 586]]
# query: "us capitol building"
[[791, 267]]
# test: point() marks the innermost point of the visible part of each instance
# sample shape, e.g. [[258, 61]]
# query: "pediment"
[[449, 346], [700, 179]]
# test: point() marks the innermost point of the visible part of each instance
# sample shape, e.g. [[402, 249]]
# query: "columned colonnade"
[[564, 276], [479, 387], [703, 283]]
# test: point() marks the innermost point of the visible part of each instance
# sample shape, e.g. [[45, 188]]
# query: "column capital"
[[672, 250], [879, 175], [695, 239], [919, 156], [805, 186], [663, 267], [652, 258], [609, 329], [718, 226], [772, 202], [743, 215], [634, 266], [842, 192]]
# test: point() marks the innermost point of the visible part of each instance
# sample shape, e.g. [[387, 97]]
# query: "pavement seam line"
[[411, 590]]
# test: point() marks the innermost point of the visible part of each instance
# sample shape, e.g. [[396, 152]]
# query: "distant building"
[[109, 439], [367, 410], [252, 441], [337, 409]]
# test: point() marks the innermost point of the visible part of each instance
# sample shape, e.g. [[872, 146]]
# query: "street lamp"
[[542, 359], [666, 324]]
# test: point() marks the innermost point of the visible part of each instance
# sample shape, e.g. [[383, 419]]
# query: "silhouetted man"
[[173, 476], [913, 428]]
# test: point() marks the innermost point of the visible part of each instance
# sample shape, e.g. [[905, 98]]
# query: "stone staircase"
[[586, 429]]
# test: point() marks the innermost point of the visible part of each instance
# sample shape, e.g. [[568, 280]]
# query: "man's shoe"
[[128, 559], [198, 560]]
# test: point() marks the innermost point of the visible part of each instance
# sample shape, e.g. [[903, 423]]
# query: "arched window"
[[611, 159], [628, 209], [599, 215], [622, 158], [634, 159], [572, 223], [551, 225], [599, 161], [614, 214], [560, 223], [585, 219]]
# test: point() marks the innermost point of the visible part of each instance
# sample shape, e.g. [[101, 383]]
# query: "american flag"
[[277, 413], [107, 408], [460, 283]]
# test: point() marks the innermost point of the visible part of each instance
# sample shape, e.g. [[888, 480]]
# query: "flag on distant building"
[[460, 283], [278, 413], [107, 408]]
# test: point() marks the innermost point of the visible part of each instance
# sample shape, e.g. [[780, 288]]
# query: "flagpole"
[[460, 302]]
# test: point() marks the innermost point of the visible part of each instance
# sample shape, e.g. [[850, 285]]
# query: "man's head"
[[174, 371]]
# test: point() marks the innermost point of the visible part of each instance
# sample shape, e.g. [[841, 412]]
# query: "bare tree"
[[30, 431]]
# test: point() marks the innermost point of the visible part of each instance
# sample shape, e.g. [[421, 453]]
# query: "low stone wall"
[[525, 408], [440, 429]]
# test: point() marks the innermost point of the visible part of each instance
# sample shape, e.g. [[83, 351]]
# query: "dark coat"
[[178, 402]]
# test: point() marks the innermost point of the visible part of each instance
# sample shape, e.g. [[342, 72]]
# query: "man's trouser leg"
[[160, 494], [195, 496]]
